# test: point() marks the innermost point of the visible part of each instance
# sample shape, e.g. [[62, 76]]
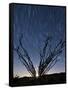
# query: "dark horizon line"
[[38, 76]]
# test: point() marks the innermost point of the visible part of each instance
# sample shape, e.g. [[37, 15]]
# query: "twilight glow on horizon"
[[36, 23]]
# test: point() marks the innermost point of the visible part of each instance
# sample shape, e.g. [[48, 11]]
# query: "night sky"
[[36, 23]]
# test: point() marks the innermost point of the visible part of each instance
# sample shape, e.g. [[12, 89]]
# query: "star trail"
[[36, 22]]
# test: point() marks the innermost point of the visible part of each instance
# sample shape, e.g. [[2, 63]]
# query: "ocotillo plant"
[[48, 58]]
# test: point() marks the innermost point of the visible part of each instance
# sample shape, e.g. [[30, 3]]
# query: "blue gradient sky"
[[36, 23]]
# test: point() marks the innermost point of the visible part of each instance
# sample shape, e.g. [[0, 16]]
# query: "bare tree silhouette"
[[24, 58], [49, 60]]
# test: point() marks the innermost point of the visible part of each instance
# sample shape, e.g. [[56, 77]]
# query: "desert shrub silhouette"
[[46, 61]]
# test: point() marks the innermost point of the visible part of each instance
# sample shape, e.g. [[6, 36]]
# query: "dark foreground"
[[43, 80]]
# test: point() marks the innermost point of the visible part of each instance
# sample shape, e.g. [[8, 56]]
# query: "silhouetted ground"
[[57, 78]]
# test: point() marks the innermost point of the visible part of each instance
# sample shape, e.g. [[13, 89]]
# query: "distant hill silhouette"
[[57, 78]]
